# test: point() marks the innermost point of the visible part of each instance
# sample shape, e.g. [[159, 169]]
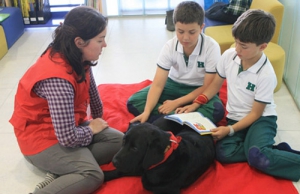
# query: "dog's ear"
[[158, 140]]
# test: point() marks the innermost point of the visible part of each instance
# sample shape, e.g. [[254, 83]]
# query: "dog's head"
[[143, 145]]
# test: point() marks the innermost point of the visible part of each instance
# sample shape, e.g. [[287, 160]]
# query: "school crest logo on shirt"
[[250, 86], [200, 64]]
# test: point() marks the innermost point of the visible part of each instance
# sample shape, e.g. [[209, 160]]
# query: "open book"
[[194, 120]]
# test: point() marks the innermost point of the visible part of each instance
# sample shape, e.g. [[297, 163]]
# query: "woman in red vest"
[[57, 114]]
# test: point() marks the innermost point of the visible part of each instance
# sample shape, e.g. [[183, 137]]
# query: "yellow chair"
[[3, 44], [223, 35], [276, 55]]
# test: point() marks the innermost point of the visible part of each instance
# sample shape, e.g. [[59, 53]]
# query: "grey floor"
[[133, 45]]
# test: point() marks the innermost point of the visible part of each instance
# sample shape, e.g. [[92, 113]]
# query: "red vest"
[[31, 117]]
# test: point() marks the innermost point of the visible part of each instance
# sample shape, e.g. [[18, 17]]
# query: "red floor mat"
[[237, 178]]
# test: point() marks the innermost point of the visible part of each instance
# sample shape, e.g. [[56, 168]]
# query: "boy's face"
[[249, 51], [187, 34]]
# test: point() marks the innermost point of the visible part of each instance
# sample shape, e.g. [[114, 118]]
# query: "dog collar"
[[170, 148]]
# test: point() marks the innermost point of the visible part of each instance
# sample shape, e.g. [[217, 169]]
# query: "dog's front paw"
[[114, 174], [110, 175]]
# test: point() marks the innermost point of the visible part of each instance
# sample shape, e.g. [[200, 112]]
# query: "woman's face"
[[93, 49]]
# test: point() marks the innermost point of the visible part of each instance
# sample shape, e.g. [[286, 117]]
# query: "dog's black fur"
[[144, 145]]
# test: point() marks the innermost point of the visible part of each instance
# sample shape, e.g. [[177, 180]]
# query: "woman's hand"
[[97, 125], [187, 108]]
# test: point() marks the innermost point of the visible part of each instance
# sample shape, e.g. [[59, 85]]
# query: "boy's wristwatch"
[[231, 132]]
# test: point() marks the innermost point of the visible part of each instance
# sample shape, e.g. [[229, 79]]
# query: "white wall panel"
[[290, 42]]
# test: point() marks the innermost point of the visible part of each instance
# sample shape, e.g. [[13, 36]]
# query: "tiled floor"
[[133, 47]]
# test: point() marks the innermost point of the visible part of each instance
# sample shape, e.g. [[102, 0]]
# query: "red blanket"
[[219, 179]]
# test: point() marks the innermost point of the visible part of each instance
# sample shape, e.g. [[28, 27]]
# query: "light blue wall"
[[290, 41]]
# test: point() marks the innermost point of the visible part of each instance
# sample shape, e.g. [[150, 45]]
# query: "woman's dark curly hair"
[[84, 22]]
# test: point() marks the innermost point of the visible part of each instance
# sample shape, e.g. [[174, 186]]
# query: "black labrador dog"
[[165, 162]]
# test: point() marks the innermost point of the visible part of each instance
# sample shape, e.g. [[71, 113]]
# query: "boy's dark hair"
[[84, 22], [254, 26], [188, 12]]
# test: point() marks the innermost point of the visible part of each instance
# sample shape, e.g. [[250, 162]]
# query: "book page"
[[196, 119], [174, 118]]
